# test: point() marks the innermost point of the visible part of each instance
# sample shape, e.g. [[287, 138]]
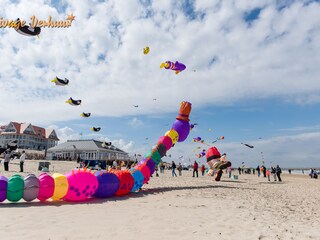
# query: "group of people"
[[8, 156], [313, 173], [180, 168], [276, 172], [262, 170]]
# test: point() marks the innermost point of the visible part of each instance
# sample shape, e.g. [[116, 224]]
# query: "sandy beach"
[[182, 207]]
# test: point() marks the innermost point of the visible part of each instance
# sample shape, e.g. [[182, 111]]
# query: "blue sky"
[[252, 75]]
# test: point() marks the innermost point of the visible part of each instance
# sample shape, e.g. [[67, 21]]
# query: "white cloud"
[[65, 133], [135, 122], [255, 62]]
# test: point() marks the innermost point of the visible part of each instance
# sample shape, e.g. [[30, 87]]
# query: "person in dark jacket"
[[278, 172], [273, 172], [174, 166], [258, 170]]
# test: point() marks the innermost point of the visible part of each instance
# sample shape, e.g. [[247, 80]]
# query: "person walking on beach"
[[258, 170], [203, 169], [278, 172], [161, 167], [22, 158], [195, 168], [7, 157], [174, 166], [311, 172], [180, 169], [273, 172], [263, 170], [268, 174], [229, 170]]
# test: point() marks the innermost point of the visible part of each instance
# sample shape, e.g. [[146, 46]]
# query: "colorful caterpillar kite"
[[81, 184]]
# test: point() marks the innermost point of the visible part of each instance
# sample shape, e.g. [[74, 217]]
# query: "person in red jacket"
[[203, 169], [195, 168]]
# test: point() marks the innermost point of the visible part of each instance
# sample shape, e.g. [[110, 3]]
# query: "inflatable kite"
[[81, 184], [95, 129], [216, 162], [248, 145], [27, 30], [193, 125], [11, 146], [177, 67], [218, 138], [203, 153], [60, 82], [196, 139], [106, 144], [146, 50], [85, 114], [73, 102]]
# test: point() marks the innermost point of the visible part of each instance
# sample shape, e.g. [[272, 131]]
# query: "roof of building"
[[21, 127], [84, 145]]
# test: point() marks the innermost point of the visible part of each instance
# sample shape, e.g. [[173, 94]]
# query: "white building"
[[87, 150], [28, 136]]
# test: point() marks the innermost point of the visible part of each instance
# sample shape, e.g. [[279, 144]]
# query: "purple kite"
[[177, 67]]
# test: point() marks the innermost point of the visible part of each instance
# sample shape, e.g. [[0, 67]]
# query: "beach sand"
[[173, 208]]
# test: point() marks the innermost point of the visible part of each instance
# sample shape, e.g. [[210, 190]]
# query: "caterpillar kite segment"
[[80, 184]]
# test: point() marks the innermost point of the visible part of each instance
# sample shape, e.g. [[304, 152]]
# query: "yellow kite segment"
[[61, 186], [173, 135]]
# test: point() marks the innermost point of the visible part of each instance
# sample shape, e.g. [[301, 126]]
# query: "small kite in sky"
[[154, 99], [60, 82], [27, 30], [85, 114], [177, 66], [73, 102], [248, 145], [95, 129], [193, 125], [203, 153], [136, 106], [196, 139], [146, 50], [218, 138]]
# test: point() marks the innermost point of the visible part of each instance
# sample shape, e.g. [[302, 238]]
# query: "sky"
[[252, 75]]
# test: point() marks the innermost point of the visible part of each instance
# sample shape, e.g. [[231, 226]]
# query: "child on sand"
[[268, 174]]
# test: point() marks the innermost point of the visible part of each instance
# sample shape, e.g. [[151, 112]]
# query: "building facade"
[[87, 150], [28, 136]]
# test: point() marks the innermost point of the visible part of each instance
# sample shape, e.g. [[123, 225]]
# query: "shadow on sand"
[[141, 193]]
